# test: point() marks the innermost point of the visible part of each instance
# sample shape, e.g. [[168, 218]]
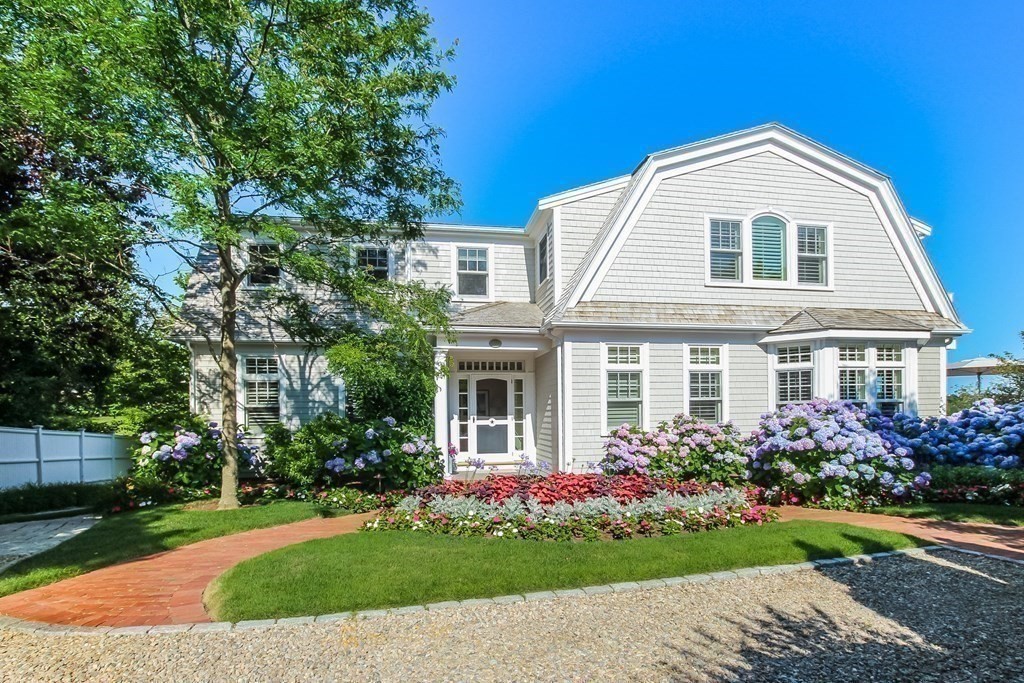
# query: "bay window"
[[794, 374], [873, 376]]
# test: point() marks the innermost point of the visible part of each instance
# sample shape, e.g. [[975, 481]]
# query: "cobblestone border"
[[24, 626]]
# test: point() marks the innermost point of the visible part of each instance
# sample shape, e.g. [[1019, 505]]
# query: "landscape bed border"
[[41, 628]]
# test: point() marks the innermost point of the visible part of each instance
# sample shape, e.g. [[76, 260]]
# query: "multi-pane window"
[[472, 272], [463, 415], [812, 255], [791, 355], [768, 248], [794, 386], [543, 255], [374, 261], [889, 390], [726, 250], [889, 353], [625, 399], [872, 376], [704, 391], [624, 381], [794, 383], [519, 412], [852, 353], [623, 355], [853, 386], [262, 391], [264, 269]]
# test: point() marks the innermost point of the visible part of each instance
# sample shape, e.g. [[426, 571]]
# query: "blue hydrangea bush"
[[985, 434], [825, 453], [680, 448], [189, 455], [332, 450]]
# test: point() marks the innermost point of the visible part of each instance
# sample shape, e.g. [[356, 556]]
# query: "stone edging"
[[24, 626]]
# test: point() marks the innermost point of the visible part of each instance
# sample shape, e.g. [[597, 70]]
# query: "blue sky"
[[551, 95]]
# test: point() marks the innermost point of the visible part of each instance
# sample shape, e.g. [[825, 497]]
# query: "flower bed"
[[571, 507], [973, 484]]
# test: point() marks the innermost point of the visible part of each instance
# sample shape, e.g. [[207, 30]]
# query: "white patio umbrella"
[[974, 367]]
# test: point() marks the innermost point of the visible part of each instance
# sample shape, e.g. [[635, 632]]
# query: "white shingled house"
[[719, 279]]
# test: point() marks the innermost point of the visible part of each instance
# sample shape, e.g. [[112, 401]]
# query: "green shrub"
[[949, 476], [32, 498], [298, 458]]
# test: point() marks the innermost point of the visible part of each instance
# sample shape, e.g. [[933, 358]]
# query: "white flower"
[[146, 450]]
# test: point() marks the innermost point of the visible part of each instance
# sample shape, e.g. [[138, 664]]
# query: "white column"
[[441, 403]]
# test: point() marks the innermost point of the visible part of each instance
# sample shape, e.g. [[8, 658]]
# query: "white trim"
[[461, 298], [467, 231], [722, 367], [881, 335], [556, 254], [922, 228], [566, 416], [643, 367], [560, 407], [659, 326], [796, 148], [583, 192], [548, 236], [441, 422], [943, 380]]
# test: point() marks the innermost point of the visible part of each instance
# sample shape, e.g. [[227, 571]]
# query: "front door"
[[490, 417]]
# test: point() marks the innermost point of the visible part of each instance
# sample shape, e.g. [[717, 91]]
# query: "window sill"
[[769, 285]]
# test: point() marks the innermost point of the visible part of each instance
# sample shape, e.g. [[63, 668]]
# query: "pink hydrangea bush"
[[681, 448]]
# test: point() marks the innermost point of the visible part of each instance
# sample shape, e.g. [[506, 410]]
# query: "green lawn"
[[135, 534], [390, 569], [958, 512]]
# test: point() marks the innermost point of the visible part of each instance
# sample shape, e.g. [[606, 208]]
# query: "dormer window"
[[264, 270]]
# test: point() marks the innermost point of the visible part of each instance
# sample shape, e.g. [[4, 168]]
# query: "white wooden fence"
[[44, 456]]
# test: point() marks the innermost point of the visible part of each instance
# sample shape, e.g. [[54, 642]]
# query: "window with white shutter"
[[705, 380], [624, 381], [768, 248], [794, 380], [725, 240], [262, 391], [812, 255]]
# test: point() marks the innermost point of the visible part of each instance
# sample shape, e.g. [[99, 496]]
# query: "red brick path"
[[166, 588], [985, 538]]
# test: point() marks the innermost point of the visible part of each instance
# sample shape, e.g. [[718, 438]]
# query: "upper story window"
[[812, 255], [264, 269], [767, 250], [726, 251], [375, 261], [472, 272], [542, 257]]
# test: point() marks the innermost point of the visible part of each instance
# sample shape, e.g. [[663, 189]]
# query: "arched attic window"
[[768, 248]]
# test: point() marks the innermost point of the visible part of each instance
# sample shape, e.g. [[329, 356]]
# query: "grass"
[[390, 569], [136, 534], [958, 512]]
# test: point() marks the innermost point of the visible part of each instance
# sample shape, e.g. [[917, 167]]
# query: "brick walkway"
[[166, 588], [985, 538]]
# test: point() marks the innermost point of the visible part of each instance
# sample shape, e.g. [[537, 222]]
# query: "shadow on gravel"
[[946, 617]]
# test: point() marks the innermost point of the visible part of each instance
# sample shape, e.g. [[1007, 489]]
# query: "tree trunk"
[[228, 381]]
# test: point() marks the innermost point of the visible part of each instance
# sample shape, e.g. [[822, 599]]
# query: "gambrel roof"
[[903, 232]]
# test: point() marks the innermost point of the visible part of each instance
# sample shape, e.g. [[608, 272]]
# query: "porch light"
[[495, 343]]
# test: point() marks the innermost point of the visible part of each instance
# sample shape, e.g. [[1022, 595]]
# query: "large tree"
[[232, 113]]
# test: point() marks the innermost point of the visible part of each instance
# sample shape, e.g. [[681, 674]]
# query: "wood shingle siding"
[[546, 429], [669, 239]]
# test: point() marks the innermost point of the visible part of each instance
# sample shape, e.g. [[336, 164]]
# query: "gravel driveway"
[[945, 617]]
